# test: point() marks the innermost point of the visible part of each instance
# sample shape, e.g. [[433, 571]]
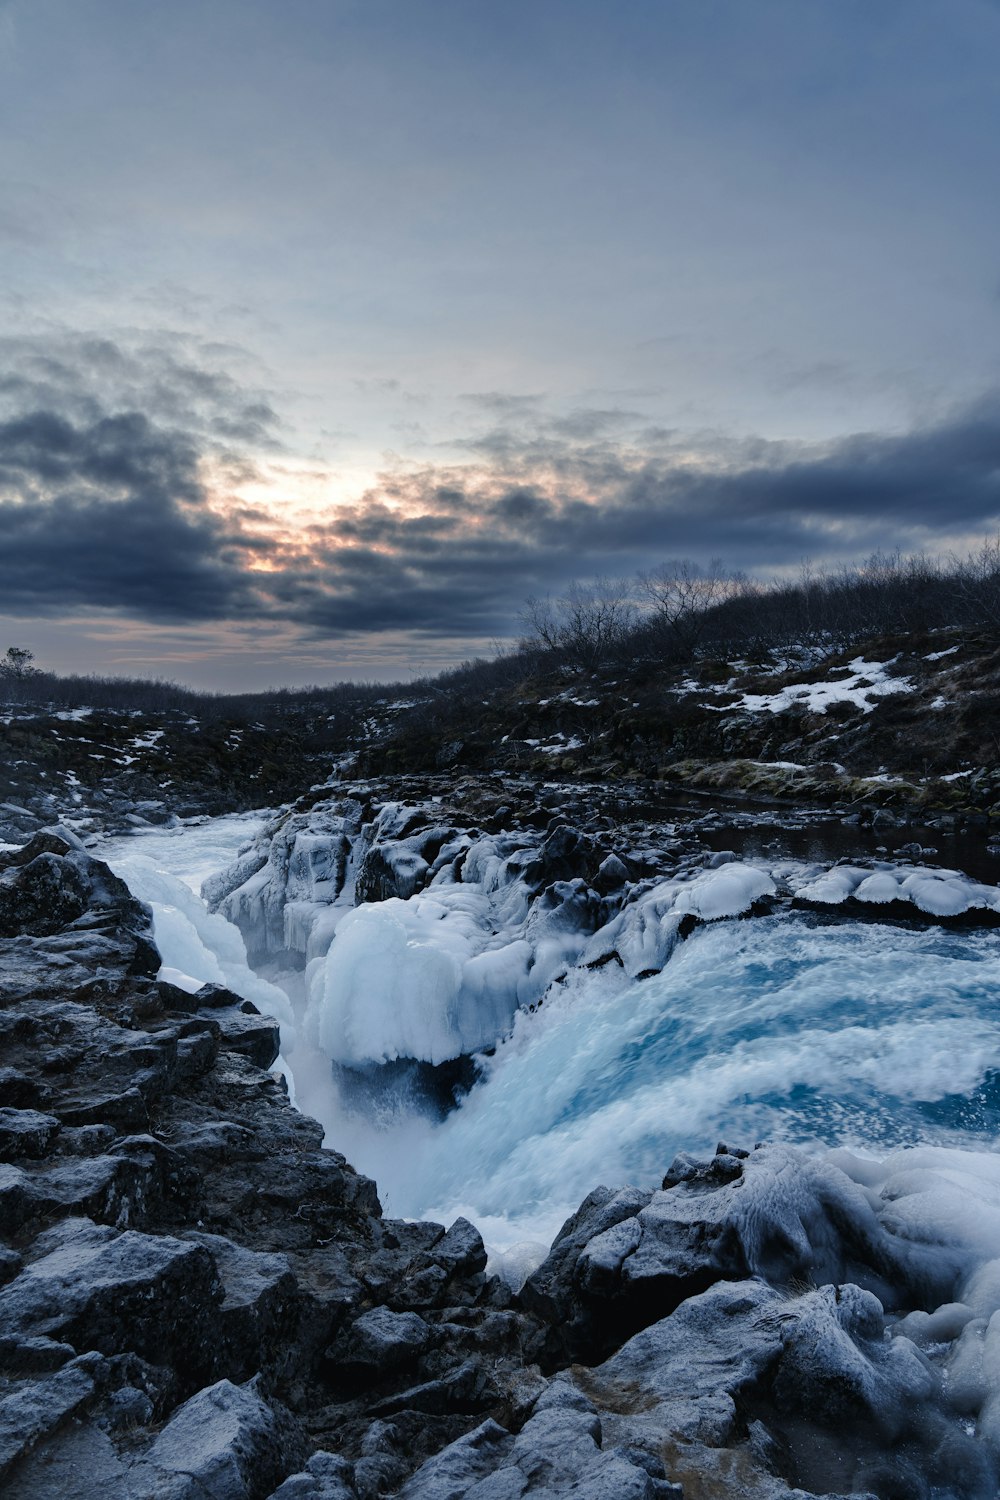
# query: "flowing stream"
[[823, 1033]]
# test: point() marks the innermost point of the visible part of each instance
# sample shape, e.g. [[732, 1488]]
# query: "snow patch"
[[867, 681]]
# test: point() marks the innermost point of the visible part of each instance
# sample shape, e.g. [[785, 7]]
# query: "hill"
[[905, 727]]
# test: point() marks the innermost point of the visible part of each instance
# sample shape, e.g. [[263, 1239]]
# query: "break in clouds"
[[120, 489]]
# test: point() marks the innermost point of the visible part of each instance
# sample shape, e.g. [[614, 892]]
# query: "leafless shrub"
[[679, 596], [976, 584], [587, 625]]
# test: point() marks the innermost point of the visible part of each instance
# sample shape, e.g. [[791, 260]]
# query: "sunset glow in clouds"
[[339, 328]]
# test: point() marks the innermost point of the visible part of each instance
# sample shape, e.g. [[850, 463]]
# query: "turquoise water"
[[782, 1027], [778, 1028]]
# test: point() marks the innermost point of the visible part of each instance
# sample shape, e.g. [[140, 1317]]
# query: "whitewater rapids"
[[855, 1035]]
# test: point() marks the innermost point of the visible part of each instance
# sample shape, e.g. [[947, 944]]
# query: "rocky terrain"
[[200, 1301], [906, 723], [102, 769], [903, 725]]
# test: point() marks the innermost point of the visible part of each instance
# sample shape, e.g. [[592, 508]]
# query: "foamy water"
[[779, 1027]]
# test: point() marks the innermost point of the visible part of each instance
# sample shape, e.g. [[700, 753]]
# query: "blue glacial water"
[[784, 1027]]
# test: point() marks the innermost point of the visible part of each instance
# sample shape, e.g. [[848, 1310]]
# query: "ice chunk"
[[644, 933], [939, 893], [945, 893], [725, 892], [879, 889], [831, 887], [393, 985]]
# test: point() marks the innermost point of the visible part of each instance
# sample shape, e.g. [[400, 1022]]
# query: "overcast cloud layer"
[[337, 329], [138, 511]]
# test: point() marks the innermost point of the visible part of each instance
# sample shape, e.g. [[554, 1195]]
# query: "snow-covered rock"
[[422, 941], [937, 893], [292, 872], [916, 1233]]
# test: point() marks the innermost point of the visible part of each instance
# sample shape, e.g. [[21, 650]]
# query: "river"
[[824, 1033]]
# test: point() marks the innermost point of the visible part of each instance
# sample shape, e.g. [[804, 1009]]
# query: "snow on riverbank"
[[166, 868], [865, 681]]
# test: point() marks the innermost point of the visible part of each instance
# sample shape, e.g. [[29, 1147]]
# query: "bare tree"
[[586, 624], [679, 595], [17, 664]]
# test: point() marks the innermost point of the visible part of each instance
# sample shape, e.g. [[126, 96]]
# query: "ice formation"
[[459, 938], [777, 1028], [939, 893], [413, 979], [198, 946], [422, 941]]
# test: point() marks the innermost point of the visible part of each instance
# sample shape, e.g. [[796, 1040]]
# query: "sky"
[[333, 330]]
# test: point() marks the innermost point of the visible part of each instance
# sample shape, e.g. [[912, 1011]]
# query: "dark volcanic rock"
[[199, 1302], [175, 1233], [255, 1037], [26, 1132], [552, 1291], [566, 854], [91, 1287], [326, 1476], [381, 1341], [226, 1442], [51, 883]]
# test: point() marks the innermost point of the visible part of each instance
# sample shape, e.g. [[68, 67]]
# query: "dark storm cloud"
[[120, 453], [103, 499], [107, 506], [172, 380], [110, 514], [456, 552]]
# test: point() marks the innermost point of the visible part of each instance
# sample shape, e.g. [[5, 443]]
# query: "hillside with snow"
[[904, 729]]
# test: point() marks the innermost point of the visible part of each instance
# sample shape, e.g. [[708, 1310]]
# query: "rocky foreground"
[[201, 1303]]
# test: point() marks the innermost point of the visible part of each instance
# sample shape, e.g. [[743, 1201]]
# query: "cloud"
[[171, 380], [110, 514], [105, 450], [120, 474], [456, 550], [588, 423], [503, 404]]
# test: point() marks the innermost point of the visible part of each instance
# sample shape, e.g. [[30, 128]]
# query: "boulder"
[[254, 1036], [30, 1409], [326, 1476], [26, 1132], [93, 1287], [381, 1342], [226, 1443]]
